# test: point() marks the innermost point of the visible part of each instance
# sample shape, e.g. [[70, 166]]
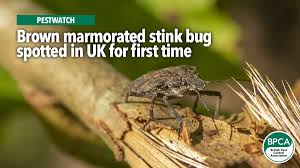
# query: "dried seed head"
[[265, 102]]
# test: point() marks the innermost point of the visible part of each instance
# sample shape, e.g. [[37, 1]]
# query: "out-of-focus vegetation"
[[117, 15], [201, 15], [218, 62]]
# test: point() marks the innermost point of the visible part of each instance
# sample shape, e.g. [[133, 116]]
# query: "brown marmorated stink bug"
[[169, 83]]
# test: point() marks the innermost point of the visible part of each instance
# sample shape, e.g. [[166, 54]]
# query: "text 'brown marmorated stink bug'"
[[169, 83]]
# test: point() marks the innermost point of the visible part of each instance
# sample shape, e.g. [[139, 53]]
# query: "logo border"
[[285, 159]]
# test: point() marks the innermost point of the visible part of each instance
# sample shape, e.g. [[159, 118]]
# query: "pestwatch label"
[[278, 147]]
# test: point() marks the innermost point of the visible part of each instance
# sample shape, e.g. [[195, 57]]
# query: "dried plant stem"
[[265, 102]]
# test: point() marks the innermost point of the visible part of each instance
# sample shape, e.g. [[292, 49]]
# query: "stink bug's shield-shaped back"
[[169, 83]]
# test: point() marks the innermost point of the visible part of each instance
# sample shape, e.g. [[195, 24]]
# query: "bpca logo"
[[278, 147]]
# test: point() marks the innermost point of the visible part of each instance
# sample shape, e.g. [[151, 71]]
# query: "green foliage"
[[199, 16], [8, 87], [10, 100]]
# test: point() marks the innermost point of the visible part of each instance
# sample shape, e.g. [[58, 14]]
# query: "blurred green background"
[[251, 31]]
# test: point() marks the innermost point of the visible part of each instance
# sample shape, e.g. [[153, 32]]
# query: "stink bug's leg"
[[151, 111], [165, 99], [196, 102], [152, 106], [203, 102], [214, 93], [205, 106], [127, 96], [218, 106]]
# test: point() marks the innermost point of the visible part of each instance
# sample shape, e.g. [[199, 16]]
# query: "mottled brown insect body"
[[171, 82]]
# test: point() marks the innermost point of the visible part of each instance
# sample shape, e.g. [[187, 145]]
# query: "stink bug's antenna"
[[226, 80]]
